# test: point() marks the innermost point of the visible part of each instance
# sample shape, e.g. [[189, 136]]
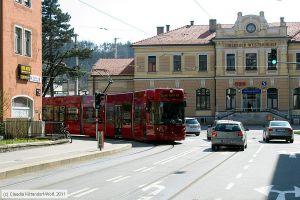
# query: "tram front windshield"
[[168, 112]]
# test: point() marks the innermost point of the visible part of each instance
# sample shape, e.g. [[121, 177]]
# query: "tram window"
[[126, 114], [72, 113], [110, 112], [89, 114], [48, 113], [62, 113], [137, 114], [56, 113]]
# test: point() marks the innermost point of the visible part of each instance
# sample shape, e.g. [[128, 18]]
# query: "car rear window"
[[279, 124], [191, 121], [228, 127]]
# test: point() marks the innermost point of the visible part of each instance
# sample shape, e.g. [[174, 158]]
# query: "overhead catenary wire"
[[113, 17]]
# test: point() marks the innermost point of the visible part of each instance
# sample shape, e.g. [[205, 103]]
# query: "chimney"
[[261, 13], [282, 22], [212, 25], [160, 30], [167, 28], [192, 23]]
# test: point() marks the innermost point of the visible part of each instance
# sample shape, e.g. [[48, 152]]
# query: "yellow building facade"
[[225, 69]]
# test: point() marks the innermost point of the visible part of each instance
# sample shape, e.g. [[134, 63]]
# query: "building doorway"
[[251, 99]]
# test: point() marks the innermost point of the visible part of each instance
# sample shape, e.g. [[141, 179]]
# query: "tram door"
[[118, 121]]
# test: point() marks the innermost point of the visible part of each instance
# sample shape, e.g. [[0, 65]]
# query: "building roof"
[[117, 66], [200, 35]]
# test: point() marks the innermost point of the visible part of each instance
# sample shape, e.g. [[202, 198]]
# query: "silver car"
[[276, 129], [192, 126], [229, 133], [211, 127]]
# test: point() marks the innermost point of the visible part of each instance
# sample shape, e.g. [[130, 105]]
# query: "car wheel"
[[287, 140], [197, 134], [291, 140], [267, 140], [242, 148], [246, 146], [214, 147], [208, 138]]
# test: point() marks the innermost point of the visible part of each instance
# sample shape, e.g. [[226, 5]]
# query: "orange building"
[[21, 59]]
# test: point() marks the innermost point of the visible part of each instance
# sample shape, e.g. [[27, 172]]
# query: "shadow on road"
[[286, 179]]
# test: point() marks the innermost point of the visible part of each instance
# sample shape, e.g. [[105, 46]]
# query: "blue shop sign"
[[251, 91]]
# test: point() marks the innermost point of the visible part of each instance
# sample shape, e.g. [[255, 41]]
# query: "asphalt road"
[[184, 170]]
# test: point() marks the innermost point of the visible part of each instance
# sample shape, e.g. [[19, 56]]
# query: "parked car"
[[276, 129], [229, 133], [192, 126], [211, 127]]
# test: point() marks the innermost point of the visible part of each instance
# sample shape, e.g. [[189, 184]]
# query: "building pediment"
[[255, 26]]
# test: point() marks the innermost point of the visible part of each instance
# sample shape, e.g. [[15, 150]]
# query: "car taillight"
[[240, 134], [214, 134], [270, 129]]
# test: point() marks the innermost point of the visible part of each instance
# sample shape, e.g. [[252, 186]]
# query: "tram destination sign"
[[170, 95]]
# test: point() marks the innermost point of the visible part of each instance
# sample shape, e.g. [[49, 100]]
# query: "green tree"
[[57, 32], [4, 104]]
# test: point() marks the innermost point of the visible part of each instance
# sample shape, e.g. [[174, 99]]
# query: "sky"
[[101, 21]]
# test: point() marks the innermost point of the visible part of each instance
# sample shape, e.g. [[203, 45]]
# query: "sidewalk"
[[30, 160]]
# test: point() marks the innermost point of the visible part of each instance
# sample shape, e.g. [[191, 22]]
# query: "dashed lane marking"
[[86, 192], [229, 186], [239, 175]]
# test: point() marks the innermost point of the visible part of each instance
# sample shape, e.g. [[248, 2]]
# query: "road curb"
[[38, 166], [15, 147]]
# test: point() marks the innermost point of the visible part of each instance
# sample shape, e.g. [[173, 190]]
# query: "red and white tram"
[[148, 115]]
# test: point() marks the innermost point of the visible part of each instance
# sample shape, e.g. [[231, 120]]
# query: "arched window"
[[22, 107], [296, 98], [230, 98], [202, 99], [272, 98]]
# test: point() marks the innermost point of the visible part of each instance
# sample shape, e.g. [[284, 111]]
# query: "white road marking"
[[144, 198], [121, 179], [87, 192], [291, 154], [260, 148], [239, 175], [166, 160], [140, 169], [254, 155], [114, 178], [246, 167], [145, 170], [156, 185], [84, 189], [250, 161], [229, 186], [281, 194]]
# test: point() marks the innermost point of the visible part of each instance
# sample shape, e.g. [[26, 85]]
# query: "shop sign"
[[251, 45], [35, 79], [251, 91], [240, 83], [24, 72]]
